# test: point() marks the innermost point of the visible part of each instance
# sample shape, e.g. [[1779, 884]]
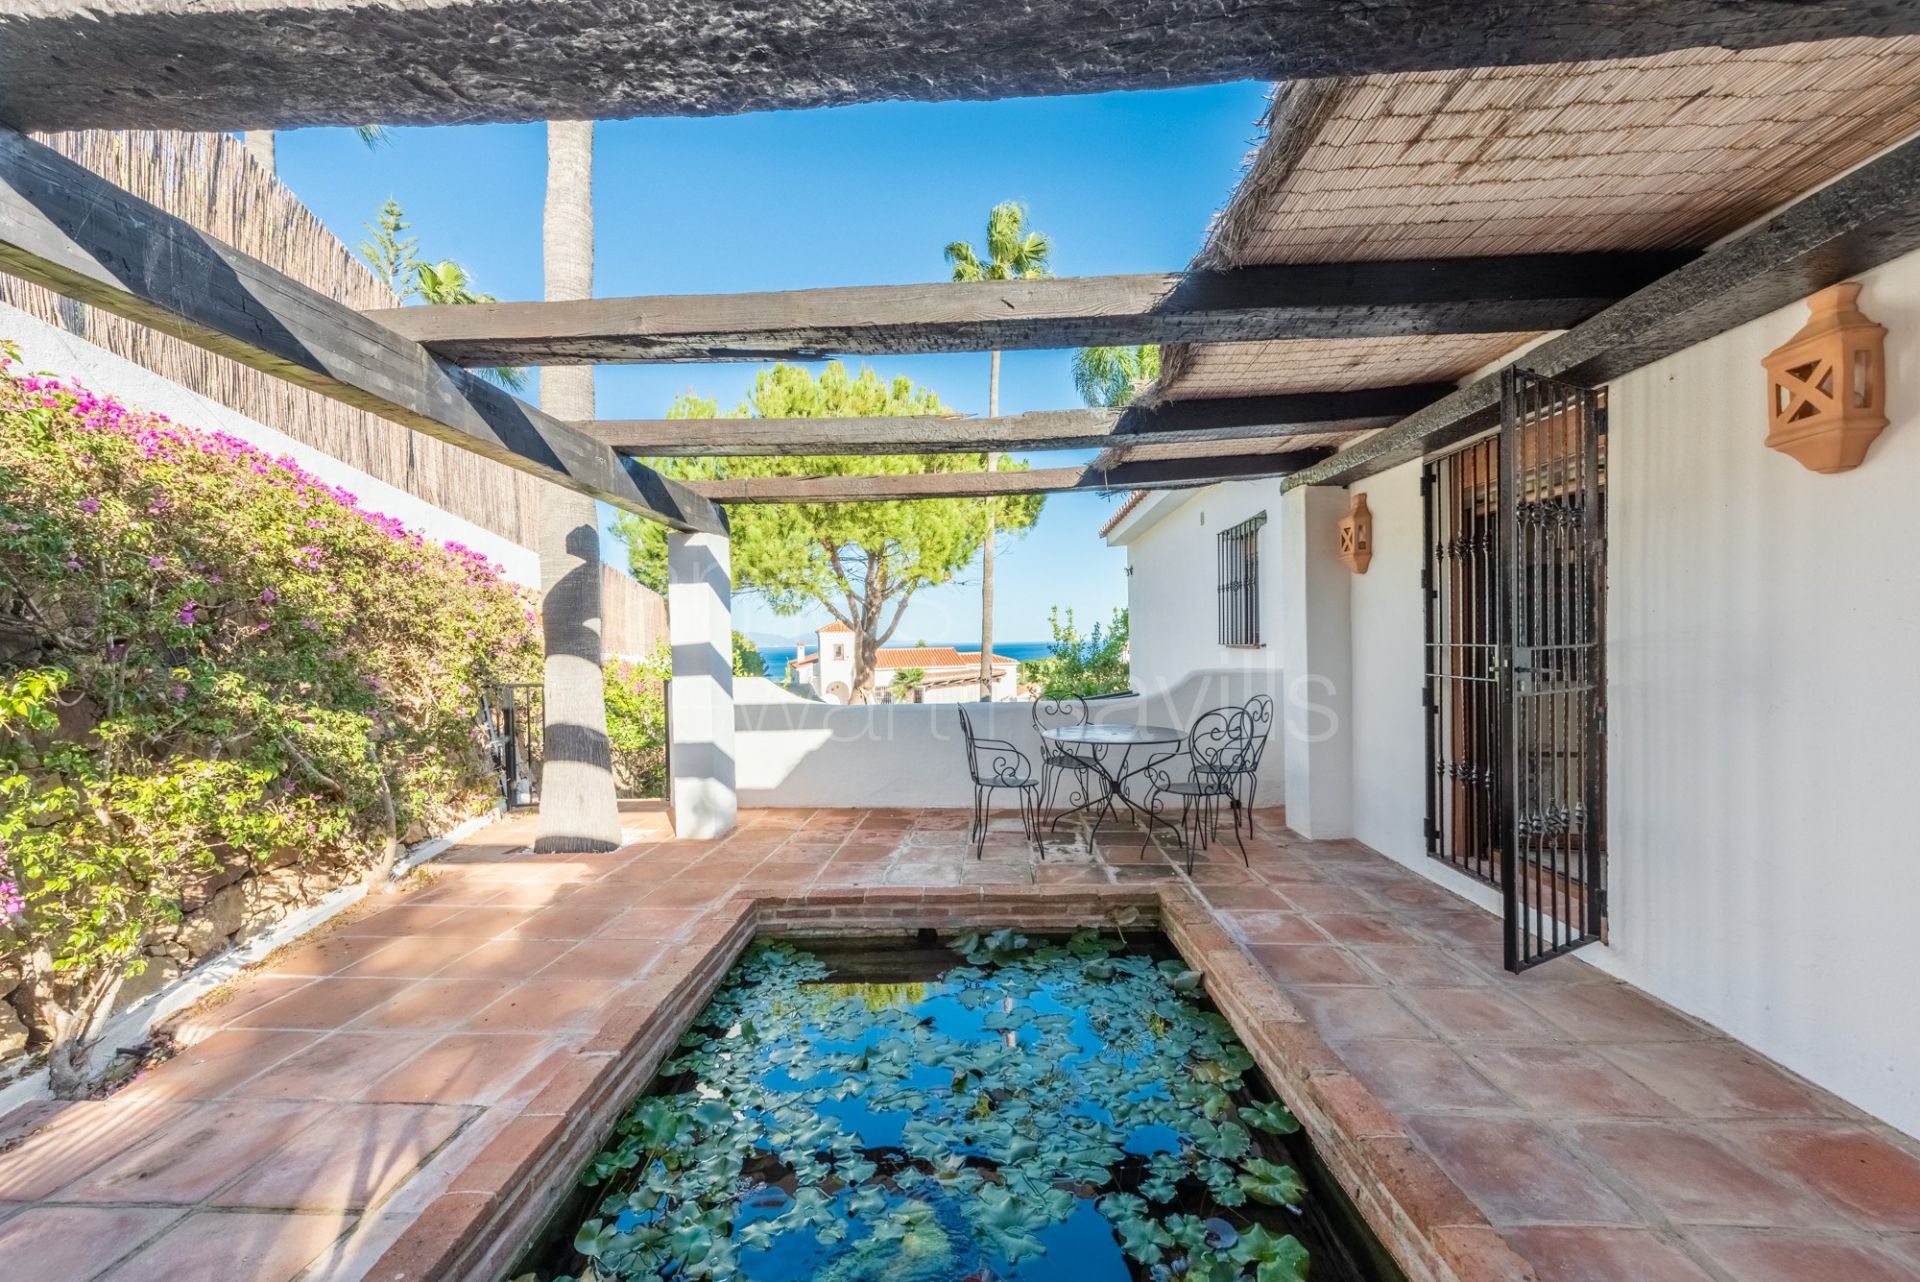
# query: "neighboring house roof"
[[834, 626], [919, 656]]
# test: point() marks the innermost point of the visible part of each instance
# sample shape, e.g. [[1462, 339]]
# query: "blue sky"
[[863, 195]]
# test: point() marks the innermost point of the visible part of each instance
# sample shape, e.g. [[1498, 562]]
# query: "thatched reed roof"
[[1673, 151]]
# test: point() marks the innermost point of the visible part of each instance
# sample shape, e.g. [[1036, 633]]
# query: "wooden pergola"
[[65, 64]]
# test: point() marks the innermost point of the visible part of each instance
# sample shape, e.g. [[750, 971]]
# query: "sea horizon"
[[778, 656]]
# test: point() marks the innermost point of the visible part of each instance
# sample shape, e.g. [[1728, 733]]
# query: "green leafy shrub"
[[637, 723], [747, 659], [210, 659], [1081, 666]]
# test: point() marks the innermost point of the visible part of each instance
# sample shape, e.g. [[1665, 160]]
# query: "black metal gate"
[[1554, 524], [1463, 583], [516, 725], [1515, 689]]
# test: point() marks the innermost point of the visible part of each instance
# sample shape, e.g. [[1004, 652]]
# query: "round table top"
[[1101, 735]]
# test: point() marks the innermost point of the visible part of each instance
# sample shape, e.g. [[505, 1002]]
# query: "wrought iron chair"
[[1246, 780], [1055, 761], [995, 764], [1202, 774]]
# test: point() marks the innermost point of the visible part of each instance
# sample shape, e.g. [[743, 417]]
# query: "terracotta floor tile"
[[414, 957], [1518, 1172], [83, 1138], [228, 1246], [1419, 1075], [432, 1005], [650, 923], [677, 894], [1341, 1013], [329, 954], [576, 919], [335, 1067], [1361, 928], [541, 1006], [226, 1006], [612, 961], [1415, 965], [362, 1152], [485, 922], [506, 959], [217, 1065], [1758, 1255], [1874, 1178], [1690, 1179], [1604, 1255], [324, 1004], [1561, 1081], [1326, 898], [402, 919], [187, 1160], [76, 1243], [1611, 1013], [1474, 1016], [1309, 964], [461, 1068], [1717, 1079], [1254, 898]]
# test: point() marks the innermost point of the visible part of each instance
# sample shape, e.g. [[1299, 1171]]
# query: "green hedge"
[[208, 658]]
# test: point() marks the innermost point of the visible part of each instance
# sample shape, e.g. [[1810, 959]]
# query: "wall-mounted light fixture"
[[1826, 386], [1356, 535]]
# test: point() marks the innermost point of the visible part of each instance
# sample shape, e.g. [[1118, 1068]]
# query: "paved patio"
[[331, 1100]]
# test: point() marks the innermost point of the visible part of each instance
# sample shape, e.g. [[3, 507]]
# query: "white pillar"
[[1316, 640], [700, 704]]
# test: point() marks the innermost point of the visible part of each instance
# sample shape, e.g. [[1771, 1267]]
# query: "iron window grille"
[[1239, 578]]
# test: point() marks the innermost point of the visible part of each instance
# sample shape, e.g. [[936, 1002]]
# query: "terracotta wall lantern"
[[1356, 535], [1826, 386]]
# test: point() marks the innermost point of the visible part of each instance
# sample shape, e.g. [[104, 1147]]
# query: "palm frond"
[[966, 264], [373, 135]]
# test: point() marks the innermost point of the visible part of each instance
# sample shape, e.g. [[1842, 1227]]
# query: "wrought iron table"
[[1107, 747]]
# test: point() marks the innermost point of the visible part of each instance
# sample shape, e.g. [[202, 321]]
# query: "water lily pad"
[[1271, 1183]]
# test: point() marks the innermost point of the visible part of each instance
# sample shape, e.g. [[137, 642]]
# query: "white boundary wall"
[[46, 350], [798, 752], [1764, 709]]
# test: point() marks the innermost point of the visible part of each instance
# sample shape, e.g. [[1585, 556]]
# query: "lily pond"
[[990, 1108]]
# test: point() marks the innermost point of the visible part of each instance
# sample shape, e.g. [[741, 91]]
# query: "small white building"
[[951, 676]]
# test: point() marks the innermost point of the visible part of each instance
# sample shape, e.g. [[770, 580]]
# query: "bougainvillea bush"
[[210, 659]]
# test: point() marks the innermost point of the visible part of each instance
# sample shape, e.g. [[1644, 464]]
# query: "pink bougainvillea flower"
[[89, 506], [268, 596], [189, 613]]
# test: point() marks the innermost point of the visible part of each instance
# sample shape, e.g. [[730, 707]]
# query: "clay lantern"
[[1826, 386], [1356, 535]]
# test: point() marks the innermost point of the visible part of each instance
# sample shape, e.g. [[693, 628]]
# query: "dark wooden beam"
[[1521, 294], [1158, 474], [1169, 423], [236, 64], [64, 227], [1855, 223]]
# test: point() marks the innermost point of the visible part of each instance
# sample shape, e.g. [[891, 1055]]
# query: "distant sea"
[[778, 656]]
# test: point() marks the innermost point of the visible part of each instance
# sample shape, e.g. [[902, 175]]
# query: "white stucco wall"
[[44, 349], [1389, 639], [1764, 709], [1764, 714], [1173, 588], [798, 752]]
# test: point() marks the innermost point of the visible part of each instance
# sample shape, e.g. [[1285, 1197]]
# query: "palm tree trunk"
[[259, 144], [986, 551], [578, 811]]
